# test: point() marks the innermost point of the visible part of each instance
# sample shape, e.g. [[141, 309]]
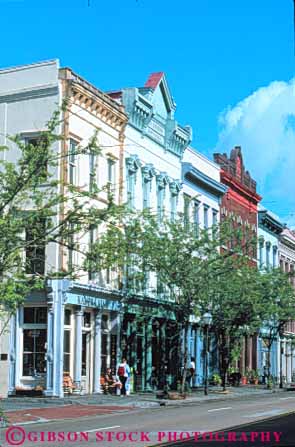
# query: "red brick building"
[[240, 204]]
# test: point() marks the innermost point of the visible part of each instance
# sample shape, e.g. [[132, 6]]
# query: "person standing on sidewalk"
[[123, 372]]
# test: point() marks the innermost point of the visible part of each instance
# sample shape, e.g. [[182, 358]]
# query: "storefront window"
[[84, 354], [35, 315], [34, 351], [67, 350], [67, 321], [87, 319]]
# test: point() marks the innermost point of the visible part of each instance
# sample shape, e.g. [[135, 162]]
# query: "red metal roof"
[[154, 79]]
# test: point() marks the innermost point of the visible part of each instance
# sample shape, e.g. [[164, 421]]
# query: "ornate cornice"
[[94, 100], [143, 116], [268, 221], [193, 175]]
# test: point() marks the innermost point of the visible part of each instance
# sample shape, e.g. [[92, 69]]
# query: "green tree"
[[38, 208], [277, 307], [234, 302], [185, 260]]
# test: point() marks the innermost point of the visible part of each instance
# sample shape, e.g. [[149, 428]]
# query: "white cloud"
[[264, 125]]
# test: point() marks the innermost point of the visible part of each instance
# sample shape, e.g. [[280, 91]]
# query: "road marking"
[[98, 429], [285, 398], [265, 413], [220, 409]]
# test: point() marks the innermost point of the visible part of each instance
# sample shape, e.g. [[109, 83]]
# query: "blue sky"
[[216, 54]]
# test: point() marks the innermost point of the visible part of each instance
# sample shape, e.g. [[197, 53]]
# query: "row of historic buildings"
[[80, 327]]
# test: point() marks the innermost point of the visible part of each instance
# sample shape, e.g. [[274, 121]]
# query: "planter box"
[[176, 396]]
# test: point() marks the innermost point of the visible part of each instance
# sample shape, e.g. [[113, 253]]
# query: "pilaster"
[[97, 352], [12, 355], [78, 349]]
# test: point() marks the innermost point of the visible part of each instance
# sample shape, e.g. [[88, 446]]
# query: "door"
[[86, 362]]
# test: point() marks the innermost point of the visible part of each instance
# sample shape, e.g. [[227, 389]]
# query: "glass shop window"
[[104, 322], [35, 315], [67, 321], [34, 351], [67, 350], [87, 319]]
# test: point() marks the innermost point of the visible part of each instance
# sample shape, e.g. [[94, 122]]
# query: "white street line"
[[98, 429], [219, 409], [285, 398]]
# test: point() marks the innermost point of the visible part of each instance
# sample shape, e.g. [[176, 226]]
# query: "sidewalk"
[[33, 410]]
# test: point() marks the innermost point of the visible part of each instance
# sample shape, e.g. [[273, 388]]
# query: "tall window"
[[274, 256], [42, 160], [197, 217], [160, 201], [131, 179], [214, 222], [71, 245], [261, 243], [91, 274], [173, 206], [35, 248], [186, 209], [73, 168], [267, 255], [146, 189], [67, 341], [206, 212], [34, 340], [92, 161], [111, 174]]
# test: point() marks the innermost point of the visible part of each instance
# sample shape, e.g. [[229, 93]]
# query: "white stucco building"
[[71, 328]]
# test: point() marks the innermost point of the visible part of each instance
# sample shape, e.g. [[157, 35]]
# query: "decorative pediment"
[[162, 97], [148, 172], [133, 163], [150, 110]]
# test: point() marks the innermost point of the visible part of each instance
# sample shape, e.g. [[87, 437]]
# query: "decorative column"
[[143, 364], [289, 365], [78, 350], [118, 332], [49, 351], [163, 353], [149, 354], [12, 355], [56, 290], [97, 353], [198, 357]]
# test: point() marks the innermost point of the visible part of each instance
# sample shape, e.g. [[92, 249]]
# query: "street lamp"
[[207, 321]]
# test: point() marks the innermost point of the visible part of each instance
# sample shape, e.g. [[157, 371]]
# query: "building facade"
[[269, 230], [286, 350], [240, 205], [202, 192], [70, 328], [154, 147]]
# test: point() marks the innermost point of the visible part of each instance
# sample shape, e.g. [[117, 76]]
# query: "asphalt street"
[[152, 426]]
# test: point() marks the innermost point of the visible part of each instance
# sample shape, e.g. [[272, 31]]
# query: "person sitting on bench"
[[110, 382]]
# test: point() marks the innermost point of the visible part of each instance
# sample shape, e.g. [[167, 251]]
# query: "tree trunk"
[[185, 357], [224, 361], [268, 364]]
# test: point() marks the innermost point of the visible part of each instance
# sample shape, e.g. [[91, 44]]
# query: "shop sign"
[[91, 301]]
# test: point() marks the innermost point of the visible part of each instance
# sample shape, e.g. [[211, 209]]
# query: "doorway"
[[85, 373]]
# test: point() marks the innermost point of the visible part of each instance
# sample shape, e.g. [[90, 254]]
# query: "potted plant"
[[254, 376], [216, 379], [244, 380]]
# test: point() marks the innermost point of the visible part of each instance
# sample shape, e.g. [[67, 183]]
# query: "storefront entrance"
[[85, 373]]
